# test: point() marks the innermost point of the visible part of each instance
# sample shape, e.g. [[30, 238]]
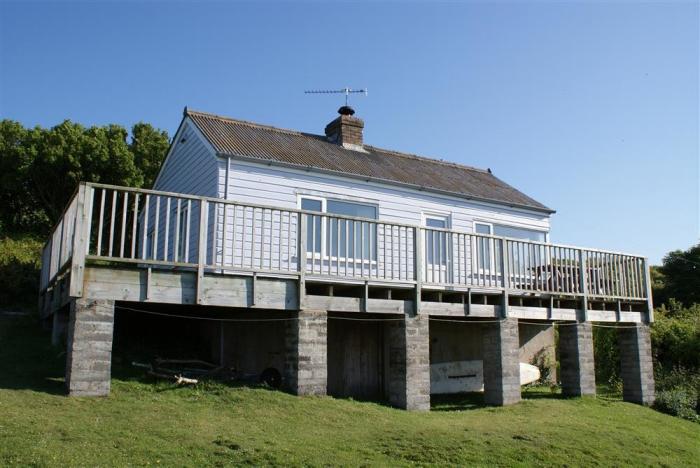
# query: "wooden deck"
[[130, 244]]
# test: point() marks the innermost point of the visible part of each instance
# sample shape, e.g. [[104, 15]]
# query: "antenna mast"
[[347, 91]]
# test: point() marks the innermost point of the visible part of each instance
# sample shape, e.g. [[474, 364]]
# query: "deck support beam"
[[306, 355], [409, 362], [576, 355], [89, 347], [501, 362], [637, 367]]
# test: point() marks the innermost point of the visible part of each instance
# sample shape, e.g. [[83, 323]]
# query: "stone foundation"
[[89, 347], [637, 367], [501, 363], [306, 353], [409, 363], [576, 357]]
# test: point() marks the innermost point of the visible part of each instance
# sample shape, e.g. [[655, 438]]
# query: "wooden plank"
[[647, 287], [202, 247], [418, 261], [81, 238], [301, 256]]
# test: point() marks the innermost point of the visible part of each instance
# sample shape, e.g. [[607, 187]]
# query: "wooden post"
[[647, 284], [81, 238], [202, 247], [301, 228], [418, 262], [584, 283], [506, 281]]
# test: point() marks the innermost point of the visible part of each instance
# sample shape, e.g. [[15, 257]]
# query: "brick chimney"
[[346, 130]]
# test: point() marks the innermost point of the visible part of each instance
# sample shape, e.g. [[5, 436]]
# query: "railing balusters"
[[134, 226], [122, 239], [188, 226], [144, 237], [111, 222], [100, 222], [156, 228]]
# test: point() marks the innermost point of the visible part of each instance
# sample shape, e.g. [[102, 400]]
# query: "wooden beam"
[[202, 247]]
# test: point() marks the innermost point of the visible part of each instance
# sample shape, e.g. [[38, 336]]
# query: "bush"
[[20, 262], [679, 401], [675, 336]]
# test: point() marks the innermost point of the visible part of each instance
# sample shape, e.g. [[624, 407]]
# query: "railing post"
[[301, 243], [506, 281], [647, 285], [202, 248], [418, 262], [583, 281], [81, 238]]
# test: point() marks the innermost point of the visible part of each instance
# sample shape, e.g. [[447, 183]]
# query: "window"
[[483, 246], [436, 241], [343, 237], [518, 233]]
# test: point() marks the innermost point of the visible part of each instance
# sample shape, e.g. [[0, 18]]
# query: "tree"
[[40, 168], [69, 153], [149, 147], [681, 275]]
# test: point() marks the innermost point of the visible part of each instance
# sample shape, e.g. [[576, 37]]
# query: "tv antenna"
[[347, 91]]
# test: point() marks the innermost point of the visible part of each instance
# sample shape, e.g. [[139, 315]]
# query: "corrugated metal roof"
[[288, 147]]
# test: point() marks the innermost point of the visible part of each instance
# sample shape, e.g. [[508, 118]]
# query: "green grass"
[[157, 424]]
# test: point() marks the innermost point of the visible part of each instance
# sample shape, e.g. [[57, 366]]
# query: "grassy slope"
[[143, 423]]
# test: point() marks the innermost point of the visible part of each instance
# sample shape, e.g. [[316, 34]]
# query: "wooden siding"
[[267, 185], [281, 187], [191, 168]]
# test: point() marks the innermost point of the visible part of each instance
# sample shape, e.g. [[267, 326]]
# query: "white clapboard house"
[[447, 271]]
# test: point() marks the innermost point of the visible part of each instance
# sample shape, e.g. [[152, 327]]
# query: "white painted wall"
[[261, 184], [191, 167], [270, 185]]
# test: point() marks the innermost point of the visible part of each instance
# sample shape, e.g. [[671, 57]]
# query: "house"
[[342, 268]]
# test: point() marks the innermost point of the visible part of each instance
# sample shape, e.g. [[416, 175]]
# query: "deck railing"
[[152, 228]]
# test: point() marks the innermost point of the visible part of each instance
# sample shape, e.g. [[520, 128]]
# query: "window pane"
[[351, 209], [482, 228], [437, 223], [518, 233], [310, 204]]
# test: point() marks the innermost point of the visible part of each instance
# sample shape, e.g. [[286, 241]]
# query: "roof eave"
[[267, 162]]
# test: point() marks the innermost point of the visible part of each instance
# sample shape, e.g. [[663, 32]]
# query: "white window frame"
[[492, 254], [324, 221]]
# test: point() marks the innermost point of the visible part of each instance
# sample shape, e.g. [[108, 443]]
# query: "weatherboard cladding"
[[240, 138]]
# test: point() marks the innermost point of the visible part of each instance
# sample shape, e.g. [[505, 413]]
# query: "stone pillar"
[[637, 367], [409, 363], [576, 358], [501, 363], [89, 347], [306, 357]]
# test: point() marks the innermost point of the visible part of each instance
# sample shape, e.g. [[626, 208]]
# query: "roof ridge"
[[300, 133], [247, 123]]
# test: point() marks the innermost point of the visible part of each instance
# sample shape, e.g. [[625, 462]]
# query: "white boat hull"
[[468, 376]]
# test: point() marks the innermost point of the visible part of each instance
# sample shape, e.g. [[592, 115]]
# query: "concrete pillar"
[[637, 367], [576, 358], [408, 379], [89, 347], [306, 356], [501, 363]]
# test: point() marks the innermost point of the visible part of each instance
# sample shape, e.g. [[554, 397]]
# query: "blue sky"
[[591, 108]]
